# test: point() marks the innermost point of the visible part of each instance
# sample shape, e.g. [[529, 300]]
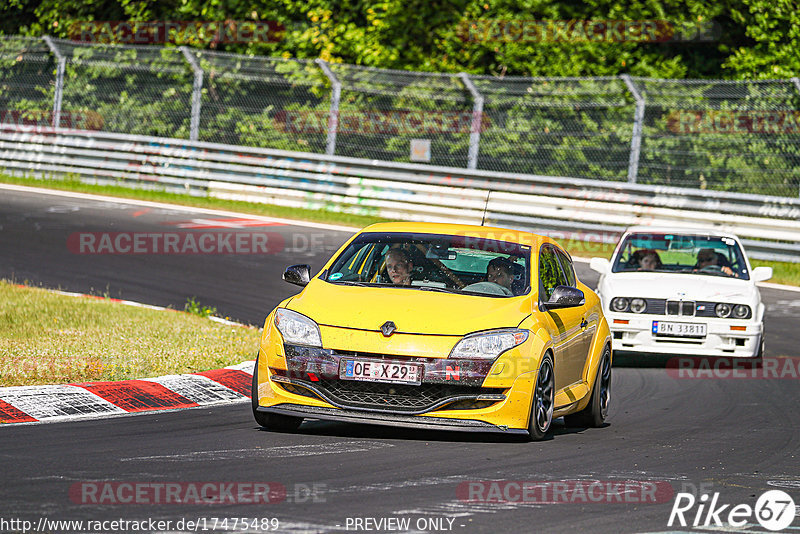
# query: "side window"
[[569, 271], [550, 274]]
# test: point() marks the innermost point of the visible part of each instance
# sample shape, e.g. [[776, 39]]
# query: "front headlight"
[[297, 328], [619, 304], [740, 311], [488, 346], [723, 310], [638, 305]]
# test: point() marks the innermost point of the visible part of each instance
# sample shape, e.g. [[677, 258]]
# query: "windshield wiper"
[[435, 288]]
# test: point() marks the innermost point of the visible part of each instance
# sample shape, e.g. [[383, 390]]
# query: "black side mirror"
[[565, 297], [298, 275]]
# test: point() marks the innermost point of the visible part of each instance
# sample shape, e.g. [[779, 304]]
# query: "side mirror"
[[298, 275], [565, 297], [760, 274], [601, 265]]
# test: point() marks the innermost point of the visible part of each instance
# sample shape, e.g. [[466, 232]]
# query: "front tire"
[[757, 361], [594, 415], [270, 421], [543, 401]]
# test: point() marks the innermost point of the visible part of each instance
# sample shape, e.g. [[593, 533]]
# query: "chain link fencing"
[[722, 135], [736, 136]]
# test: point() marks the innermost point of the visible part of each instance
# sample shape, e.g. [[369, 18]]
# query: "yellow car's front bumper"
[[454, 394]]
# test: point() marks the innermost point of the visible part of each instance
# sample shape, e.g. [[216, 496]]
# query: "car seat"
[[518, 282]]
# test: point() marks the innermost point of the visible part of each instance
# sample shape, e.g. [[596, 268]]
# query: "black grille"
[[680, 307], [656, 306], [298, 390], [393, 397], [708, 309], [685, 308]]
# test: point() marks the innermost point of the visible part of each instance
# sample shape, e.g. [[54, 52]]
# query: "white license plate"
[[664, 328], [380, 371]]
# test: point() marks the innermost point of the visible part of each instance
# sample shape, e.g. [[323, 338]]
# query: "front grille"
[[680, 307], [298, 390], [685, 308], [393, 397], [656, 306]]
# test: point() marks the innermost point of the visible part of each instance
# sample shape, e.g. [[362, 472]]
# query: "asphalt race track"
[[735, 437]]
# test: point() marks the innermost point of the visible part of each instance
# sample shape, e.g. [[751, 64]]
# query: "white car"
[[688, 291]]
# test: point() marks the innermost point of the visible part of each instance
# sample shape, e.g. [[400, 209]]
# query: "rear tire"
[[543, 401], [270, 421], [594, 415]]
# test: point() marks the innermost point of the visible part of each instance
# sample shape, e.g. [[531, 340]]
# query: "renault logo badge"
[[388, 328]]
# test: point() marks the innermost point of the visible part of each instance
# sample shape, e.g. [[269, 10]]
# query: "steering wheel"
[[488, 287]]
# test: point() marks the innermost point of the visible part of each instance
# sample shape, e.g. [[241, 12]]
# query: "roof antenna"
[[486, 206]]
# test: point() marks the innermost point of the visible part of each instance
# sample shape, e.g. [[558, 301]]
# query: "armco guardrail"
[[567, 208]]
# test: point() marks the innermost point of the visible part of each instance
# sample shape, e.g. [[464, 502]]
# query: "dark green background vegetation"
[[754, 39]]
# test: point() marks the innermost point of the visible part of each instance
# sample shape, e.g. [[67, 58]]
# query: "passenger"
[[499, 271], [399, 267], [646, 260], [708, 260]]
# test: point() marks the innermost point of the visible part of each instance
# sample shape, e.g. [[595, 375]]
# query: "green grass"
[[194, 307], [255, 208], [46, 338], [784, 272]]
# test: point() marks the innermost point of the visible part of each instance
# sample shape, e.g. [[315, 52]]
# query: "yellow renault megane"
[[438, 326]]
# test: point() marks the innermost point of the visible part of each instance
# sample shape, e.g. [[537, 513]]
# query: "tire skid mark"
[[341, 447]]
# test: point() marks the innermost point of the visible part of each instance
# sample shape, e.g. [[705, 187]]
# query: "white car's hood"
[[677, 286]]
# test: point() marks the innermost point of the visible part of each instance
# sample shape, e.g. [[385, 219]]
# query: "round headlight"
[[723, 310], [638, 305], [740, 311], [619, 304]]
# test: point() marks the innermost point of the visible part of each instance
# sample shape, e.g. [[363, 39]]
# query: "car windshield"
[[434, 262], [681, 253]]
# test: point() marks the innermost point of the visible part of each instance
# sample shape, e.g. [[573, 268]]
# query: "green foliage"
[[195, 308], [749, 38]]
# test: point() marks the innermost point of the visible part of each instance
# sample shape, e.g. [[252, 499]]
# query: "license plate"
[[380, 371], [664, 328]]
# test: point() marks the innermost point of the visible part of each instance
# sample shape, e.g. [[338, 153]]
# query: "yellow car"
[[437, 326]]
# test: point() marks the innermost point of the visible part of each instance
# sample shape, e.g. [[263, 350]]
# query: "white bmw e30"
[[687, 291]]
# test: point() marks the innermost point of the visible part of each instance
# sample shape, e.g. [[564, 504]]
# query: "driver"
[[399, 267], [499, 272], [708, 260]]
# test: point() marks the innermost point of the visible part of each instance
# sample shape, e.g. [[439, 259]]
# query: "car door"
[[564, 324], [589, 319]]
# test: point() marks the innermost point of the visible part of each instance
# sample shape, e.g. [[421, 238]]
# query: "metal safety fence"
[[593, 211], [710, 135]]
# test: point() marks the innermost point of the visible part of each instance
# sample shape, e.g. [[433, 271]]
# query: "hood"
[[413, 311], [671, 286]]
